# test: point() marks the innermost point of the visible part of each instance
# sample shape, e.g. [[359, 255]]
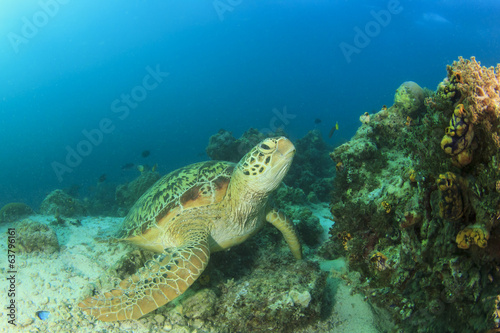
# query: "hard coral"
[[127, 194], [452, 205], [14, 211], [223, 147], [59, 202], [311, 167], [36, 236], [479, 88], [409, 98], [473, 234]]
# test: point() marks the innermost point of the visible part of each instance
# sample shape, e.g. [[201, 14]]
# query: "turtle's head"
[[264, 167]]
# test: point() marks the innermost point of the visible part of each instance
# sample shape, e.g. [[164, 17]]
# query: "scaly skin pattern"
[[160, 281], [188, 214], [283, 224]]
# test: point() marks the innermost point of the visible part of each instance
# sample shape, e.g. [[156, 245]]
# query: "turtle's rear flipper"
[[161, 280]]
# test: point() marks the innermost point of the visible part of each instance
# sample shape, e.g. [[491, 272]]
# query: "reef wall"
[[416, 204]]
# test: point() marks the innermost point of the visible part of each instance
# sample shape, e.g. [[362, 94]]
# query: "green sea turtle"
[[190, 213]]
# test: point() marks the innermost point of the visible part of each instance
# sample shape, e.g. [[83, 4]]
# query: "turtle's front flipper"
[[280, 221], [161, 280]]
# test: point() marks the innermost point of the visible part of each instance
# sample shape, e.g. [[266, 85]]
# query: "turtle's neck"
[[241, 197]]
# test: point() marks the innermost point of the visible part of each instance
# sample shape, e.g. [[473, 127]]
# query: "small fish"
[[127, 166], [317, 121], [154, 167], [145, 153], [102, 178], [141, 168], [334, 128], [43, 315]]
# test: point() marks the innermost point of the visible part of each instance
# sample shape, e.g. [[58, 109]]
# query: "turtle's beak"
[[285, 147]]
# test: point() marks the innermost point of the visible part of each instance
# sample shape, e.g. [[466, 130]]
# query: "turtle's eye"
[[267, 146]]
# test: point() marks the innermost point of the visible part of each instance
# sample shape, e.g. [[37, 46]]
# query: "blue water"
[[67, 65]]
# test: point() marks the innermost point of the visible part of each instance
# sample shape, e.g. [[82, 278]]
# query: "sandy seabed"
[[57, 282]]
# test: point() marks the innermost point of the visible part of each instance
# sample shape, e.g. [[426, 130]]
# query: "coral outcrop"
[[421, 228], [15, 211], [223, 147], [59, 202], [474, 92], [409, 99], [311, 170], [273, 299], [35, 236], [102, 201], [127, 194]]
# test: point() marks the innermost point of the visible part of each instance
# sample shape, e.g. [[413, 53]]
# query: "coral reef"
[[59, 202], [102, 200], [223, 147], [409, 99], [312, 169], [308, 226], [127, 194], [287, 195], [474, 91], [310, 172], [421, 228], [36, 236], [272, 299], [14, 211]]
